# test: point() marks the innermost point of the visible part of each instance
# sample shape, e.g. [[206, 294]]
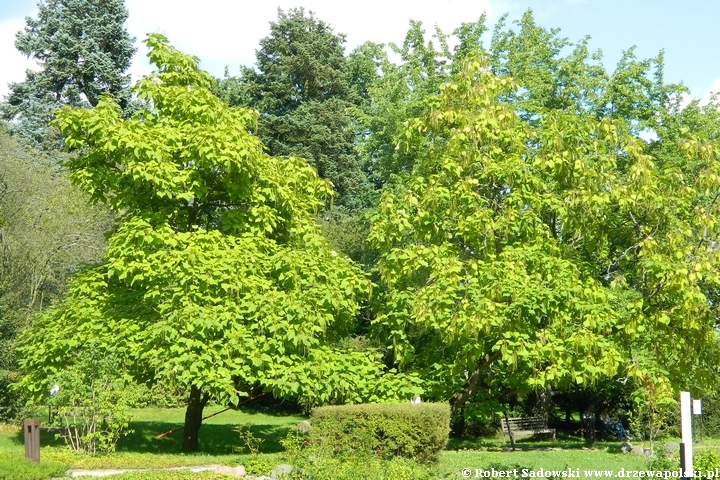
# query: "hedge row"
[[416, 431]]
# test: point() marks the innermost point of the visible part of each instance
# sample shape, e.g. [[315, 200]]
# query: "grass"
[[220, 444]]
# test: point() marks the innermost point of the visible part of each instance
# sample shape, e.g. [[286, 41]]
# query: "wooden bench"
[[525, 426]]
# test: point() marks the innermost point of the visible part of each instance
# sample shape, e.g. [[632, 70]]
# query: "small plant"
[[90, 404], [295, 443], [258, 466], [252, 443]]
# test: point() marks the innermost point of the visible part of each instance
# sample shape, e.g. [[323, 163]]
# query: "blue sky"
[[226, 32]]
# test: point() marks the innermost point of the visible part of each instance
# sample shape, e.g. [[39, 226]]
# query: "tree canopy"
[[534, 239], [83, 50], [303, 88], [215, 274]]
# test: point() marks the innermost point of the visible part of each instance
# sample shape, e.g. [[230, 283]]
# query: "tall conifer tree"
[[83, 50]]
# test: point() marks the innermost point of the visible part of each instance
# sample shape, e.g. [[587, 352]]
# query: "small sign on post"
[[32, 440]]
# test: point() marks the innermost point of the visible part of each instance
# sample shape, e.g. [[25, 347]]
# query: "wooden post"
[[32, 440]]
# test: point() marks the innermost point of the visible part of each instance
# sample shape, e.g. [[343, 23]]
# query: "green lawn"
[[221, 445]]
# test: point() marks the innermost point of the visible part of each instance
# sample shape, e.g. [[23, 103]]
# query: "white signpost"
[[686, 459]]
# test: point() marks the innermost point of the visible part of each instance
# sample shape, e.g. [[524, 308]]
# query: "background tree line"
[[534, 223]]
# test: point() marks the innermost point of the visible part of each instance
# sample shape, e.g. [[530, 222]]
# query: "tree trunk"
[[470, 388], [193, 419], [568, 417]]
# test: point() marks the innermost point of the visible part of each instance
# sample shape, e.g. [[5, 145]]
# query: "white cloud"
[[13, 62], [226, 32]]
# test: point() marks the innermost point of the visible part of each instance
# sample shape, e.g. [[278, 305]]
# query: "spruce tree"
[[302, 87], [83, 50]]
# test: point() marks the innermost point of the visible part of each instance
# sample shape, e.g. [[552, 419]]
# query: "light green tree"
[[524, 254], [215, 275], [48, 232]]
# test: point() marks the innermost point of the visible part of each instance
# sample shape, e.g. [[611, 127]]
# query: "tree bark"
[[470, 388], [193, 419]]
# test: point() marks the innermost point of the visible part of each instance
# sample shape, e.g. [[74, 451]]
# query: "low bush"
[[705, 460], [11, 403], [18, 468], [708, 425], [318, 467], [90, 404], [414, 431]]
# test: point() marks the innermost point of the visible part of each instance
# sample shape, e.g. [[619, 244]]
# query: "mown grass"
[[220, 444]]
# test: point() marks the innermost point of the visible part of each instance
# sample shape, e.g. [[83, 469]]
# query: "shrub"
[[90, 405], [11, 403], [418, 431], [705, 460], [320, 467], [18, 468]]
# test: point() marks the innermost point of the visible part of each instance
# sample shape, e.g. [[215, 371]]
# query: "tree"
[[398, 94], [303, 90], [48, 232], [83, 50], [642, 244], [526, 253], [215, 274]]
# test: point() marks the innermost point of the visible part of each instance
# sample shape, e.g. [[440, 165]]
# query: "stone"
[[671, 448], [304, 427], [626, 447], [238, 471], [281, 471]]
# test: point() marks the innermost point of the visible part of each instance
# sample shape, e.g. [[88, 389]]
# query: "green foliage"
[[90, 406], [532, 238], [302, 88], [655, 409], [48, 232], [159, 395], [83, 50], [418, 432], [216, 276], [258, 466], [705, 460], [467, 238], [15, 467], [365, 467], [252, 443]]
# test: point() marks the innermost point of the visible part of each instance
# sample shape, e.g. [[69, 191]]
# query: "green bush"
[[11, 403], [18, 468], [90, 406], [705, 460], [418, 432], [355, 467], [710, 426]]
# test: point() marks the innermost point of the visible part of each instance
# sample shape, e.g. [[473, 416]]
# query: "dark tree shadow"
[[215, 439]]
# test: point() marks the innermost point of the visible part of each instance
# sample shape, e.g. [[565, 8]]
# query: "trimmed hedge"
[[416, 431]]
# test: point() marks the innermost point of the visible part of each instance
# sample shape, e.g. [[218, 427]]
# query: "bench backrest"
[[527, 423]]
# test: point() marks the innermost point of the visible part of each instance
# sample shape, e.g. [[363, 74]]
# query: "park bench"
[[525, 426]]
